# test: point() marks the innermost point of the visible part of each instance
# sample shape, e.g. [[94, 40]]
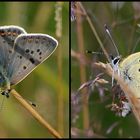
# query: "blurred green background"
[[93, 119], [48, 85]]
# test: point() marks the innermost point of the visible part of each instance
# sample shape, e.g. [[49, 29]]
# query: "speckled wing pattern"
[[31, 50], [130, 72], [22, 52]]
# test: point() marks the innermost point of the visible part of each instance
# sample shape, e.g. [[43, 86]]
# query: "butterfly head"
[[115, 62]]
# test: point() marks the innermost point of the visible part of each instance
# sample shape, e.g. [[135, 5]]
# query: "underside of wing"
[[8, 34], [130, 60], [30, 51], [132, 77]]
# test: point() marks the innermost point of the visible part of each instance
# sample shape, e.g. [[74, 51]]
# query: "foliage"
[[91, 116]]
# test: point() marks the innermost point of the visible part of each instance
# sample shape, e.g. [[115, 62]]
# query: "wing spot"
[[40, 57], [24, 67], [40, 53], [19, 56], [32, 52], [2, 33], [27, 50], [139, 70], [24, 38], [38, 50], [32, 60]]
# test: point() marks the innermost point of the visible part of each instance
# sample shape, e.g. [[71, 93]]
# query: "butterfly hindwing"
[[30, 50]]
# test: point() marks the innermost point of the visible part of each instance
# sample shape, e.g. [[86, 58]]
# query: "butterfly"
[[129, 70], [20, 54]]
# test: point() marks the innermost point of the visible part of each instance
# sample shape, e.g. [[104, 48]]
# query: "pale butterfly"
[[129, 70], [20, 54]]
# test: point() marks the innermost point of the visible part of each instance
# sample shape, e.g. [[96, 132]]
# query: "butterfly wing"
[[130, 60], [8, 34], [131, 76], [30, 51]]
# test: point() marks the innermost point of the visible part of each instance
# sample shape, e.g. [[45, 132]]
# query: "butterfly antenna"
[[109, 34], [92, 52]]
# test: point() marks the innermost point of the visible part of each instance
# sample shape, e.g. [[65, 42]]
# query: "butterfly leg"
[[113, 78]]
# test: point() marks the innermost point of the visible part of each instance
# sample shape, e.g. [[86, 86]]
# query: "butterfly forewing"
[[30, 50], [8, 34]]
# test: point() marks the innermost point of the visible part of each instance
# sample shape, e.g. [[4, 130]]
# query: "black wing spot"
[[27, 50], [139, 70], [2, 31], [38, 50], [40, 57], [32, 60], [24, 38], [19, 56], [40, 53], [24, 67], [32, 52]]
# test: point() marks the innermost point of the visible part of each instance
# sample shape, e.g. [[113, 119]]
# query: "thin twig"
[[82, 71], [58, 19], [94, 31]]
